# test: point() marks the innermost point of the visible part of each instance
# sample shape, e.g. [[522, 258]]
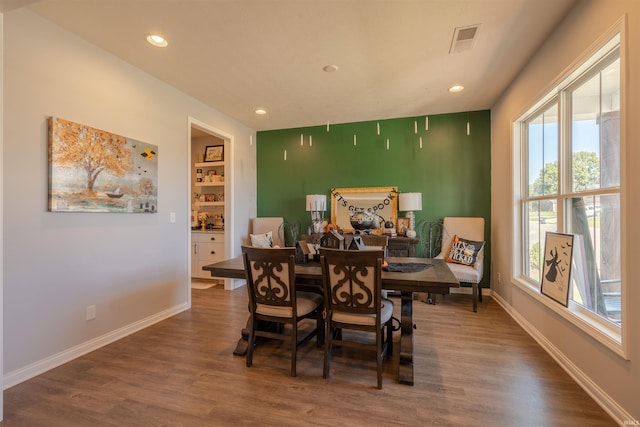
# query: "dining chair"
[[273, 298], [374, 241], [353, 300], [378, 242]]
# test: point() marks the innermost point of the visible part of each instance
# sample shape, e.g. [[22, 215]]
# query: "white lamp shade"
[[410, 202], [316, 203]]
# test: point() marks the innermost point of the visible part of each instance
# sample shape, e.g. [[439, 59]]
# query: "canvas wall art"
[[556, 274], [91, 170]]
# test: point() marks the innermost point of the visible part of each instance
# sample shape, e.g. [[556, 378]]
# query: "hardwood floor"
[[470, 369]]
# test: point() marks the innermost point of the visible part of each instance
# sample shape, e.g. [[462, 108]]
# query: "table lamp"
[[410, 202], [317, 205]]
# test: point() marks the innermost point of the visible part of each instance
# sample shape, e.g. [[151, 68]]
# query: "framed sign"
[[214, 153], [403, 226], [556, 270], [378, 202]]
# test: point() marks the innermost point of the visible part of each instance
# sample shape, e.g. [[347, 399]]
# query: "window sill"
[[609, 336]]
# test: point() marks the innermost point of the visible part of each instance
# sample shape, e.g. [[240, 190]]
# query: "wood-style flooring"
[[471, 369]]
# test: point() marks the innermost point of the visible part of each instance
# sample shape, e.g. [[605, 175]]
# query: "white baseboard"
[[231, 284], [36, 368], [592, 389]]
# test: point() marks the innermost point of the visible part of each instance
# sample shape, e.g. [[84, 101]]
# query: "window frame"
[[614, 337]]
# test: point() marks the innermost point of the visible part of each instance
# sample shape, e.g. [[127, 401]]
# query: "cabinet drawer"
[[211, 252], [207, 237]]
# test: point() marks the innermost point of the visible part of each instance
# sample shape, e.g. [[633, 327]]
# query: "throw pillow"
[[264, 240], [464, 251]]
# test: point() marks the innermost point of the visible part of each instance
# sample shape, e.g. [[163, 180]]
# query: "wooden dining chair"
[[273, 298], [375, 242], [353, 300]]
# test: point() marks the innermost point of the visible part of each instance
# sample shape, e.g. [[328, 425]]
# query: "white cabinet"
[[207, 247]]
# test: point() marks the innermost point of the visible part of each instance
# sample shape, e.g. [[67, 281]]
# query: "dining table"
[[406, 275]]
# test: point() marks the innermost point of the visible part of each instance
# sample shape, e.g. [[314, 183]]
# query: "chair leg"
[[475, 296], [389, 339], [294, 347], [379, 337], [251, 341], [319, 329], [479, 292], [327, 348]]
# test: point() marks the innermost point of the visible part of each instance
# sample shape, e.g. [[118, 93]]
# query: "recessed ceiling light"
[[157, 40], [261, 111], [456, 88], [330, 68]]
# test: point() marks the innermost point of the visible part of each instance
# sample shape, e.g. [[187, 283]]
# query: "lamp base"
[[411, 231]]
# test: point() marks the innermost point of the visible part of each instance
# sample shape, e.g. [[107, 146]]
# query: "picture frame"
[[556, 266], [382, 201], [209, 198], [214, 153], [93, 170], [403, 226]]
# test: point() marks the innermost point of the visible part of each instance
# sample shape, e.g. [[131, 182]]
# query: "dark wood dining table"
[[436, 278]]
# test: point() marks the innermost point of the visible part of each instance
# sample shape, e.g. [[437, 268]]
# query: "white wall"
[[610, 379], [133, 267], [1, 213]]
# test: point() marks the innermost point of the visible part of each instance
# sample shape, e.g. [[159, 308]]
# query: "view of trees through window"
[[573, 185]]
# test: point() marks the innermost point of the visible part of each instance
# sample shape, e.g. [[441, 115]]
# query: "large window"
[[570, 182]]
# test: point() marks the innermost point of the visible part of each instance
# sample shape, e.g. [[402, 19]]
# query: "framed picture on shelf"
[[209, 198], [556, 266], [214, 153], [403, 226]]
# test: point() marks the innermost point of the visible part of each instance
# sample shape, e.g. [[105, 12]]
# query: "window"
[[570, 182]]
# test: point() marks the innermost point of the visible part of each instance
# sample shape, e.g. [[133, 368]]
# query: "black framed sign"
[[556, 266], [214, 153]]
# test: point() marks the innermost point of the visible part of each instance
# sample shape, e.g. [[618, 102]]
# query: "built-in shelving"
[[208, 191]]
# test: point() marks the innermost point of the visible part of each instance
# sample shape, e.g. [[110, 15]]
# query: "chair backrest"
[[270, 274], [375, 241], [469, 228], [352, 280], [266, 224]]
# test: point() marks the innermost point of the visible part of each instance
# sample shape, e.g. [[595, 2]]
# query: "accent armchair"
[[463, 249]]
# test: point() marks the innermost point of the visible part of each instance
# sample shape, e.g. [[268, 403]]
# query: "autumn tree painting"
[[98, 171], [92, 150]]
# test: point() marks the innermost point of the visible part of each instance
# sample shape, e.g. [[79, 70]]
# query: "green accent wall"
[[452, 170]]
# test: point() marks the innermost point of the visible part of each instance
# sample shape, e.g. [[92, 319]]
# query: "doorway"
[[210, 202]]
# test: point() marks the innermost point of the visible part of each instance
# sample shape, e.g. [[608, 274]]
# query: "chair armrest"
[[479, 264]]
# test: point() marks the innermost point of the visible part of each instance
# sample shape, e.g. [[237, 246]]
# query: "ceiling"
[[392, 55]]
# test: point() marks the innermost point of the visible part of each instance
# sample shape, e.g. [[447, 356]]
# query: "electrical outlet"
[[172, 217], [499, 278], [91, 312]]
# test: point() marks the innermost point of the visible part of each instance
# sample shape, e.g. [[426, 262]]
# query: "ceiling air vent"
[[463, 38]]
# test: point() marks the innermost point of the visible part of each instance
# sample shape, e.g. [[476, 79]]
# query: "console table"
[[399, 246], [402, 246]]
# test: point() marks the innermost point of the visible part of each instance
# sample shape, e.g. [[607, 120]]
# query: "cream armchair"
[[262, 226], [469, 229]]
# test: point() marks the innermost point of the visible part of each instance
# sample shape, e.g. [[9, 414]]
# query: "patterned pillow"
[[464, 251], [264, 240]]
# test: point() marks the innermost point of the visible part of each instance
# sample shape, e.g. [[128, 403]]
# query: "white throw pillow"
[[264, 240]]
